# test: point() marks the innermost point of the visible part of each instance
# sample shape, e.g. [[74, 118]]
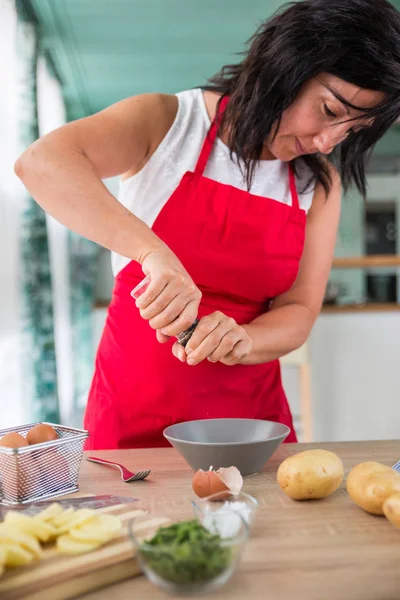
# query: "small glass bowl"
[[211, 509], [196, 567]]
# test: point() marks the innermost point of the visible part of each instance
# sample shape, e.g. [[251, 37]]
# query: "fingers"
[[239, 351], [161, 337], [153, 291], [184, 321], [163, 310], [205, 327], [214, 337], [179, 352], [169, 306], [226, 347], [217, 338]]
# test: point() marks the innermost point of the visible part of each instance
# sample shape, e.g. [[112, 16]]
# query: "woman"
[[229, 202]]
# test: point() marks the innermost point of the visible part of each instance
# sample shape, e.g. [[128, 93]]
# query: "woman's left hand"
[[217, 338]]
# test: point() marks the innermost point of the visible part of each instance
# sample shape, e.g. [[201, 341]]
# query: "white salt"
[[226, 520]]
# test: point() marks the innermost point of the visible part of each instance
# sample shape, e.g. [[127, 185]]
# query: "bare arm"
[[63, 171], [292, 316], [288, 324]]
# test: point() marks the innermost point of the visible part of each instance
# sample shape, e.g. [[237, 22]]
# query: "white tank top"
[[146, 192]]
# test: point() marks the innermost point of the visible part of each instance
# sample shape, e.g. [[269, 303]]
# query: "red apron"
[[241, 250]]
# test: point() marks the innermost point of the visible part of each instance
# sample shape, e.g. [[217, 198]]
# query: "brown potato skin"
[[310, 475], [391, 509], [369, 484]]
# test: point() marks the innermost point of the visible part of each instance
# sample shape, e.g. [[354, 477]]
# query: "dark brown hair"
[[355, 40]]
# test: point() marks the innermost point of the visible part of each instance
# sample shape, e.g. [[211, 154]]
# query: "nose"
[[326, 140]]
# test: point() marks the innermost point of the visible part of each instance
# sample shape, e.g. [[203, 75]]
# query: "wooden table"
[[319, 550]]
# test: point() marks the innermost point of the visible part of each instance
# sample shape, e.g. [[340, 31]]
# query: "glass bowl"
[[210, 510], [185, 557]]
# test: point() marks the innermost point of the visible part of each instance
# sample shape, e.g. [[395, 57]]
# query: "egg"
[[208, 483], [13, 440], [19, 476], [41, 433]]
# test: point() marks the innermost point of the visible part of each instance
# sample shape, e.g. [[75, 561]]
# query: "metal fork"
[[126, 475]]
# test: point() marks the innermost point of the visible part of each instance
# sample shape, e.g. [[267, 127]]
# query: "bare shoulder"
[[150, 116], [327, 201], [159, 109], [152, 113], [118, 139]]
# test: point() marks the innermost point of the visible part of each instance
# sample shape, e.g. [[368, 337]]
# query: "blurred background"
[[61, 60]]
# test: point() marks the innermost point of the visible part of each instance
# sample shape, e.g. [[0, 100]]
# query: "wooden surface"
[[362, 262], [327, 308], [361, 308], [60, 577], [321, 550]]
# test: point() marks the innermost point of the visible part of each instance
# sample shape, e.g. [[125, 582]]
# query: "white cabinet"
[[355, 363]]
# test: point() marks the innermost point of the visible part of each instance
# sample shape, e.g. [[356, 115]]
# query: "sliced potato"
[[61, 519], [98, 530], [78, 518], [67, 545], [39, 529], [10, 534], [3, 555], [50, 512], [16, 556]]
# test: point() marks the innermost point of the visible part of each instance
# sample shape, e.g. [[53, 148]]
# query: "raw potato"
[[20, 534], [311, 474], [2, 559], [60, 520], [377, 488], [11, 534], [391, 509], [50, 512], [67, 545], [358, 475], [89, 535], [97, 531], [369, 484], [39, 529], [76, 519], [16, 556]]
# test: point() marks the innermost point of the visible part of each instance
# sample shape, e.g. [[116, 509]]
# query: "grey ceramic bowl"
[[244, 443]]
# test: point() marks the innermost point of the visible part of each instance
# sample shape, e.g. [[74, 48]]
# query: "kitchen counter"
[[369, 307], [321, 550]]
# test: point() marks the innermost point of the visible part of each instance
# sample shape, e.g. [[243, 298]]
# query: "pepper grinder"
[[183, 337]]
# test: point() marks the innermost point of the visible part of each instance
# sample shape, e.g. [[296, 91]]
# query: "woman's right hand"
[[171, 300]]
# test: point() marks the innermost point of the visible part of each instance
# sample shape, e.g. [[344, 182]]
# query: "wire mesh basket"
[[41, 471]]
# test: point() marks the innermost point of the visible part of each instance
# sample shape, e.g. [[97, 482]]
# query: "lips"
[[300, 148]]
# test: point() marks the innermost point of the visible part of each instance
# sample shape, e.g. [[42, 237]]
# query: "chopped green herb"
[[186, 552]]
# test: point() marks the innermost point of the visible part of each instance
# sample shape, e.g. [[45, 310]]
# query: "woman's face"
[[316, 120]]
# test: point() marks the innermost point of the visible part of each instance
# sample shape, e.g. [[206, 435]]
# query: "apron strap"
[[293, 190], [209, 140]]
